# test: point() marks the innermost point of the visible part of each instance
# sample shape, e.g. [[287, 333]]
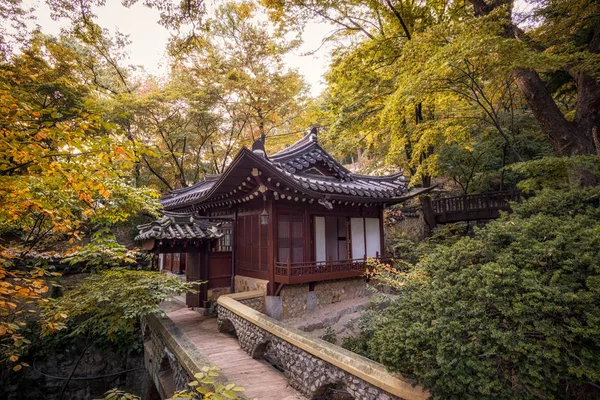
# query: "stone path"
[[258, 377]]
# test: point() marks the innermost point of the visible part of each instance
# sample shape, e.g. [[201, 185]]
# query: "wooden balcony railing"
[[472, 207], [313, 271]]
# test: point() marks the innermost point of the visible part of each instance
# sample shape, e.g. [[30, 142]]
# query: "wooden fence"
[[472, 207]]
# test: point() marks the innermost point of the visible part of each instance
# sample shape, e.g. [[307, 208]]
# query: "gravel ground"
[[338, 316]]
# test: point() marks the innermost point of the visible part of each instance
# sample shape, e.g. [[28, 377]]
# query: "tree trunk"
[[577, 137], [566, 137]]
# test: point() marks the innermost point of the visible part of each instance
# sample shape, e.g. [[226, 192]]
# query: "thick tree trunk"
[[576, 137], [566, 137]]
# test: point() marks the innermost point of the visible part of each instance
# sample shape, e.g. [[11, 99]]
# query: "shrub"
[[511, 313], [329, 335]]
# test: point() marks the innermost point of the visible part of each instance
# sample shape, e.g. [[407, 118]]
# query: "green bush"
[[511, 313], [329, 335]]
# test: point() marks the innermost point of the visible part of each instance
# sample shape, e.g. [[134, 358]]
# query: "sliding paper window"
[[366, 237]]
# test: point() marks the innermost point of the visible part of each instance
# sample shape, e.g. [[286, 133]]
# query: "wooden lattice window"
[[290, 238], [224, 243]]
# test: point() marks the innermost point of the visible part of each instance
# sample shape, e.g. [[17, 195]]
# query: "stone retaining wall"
[[297, 300], [246, 284], [311, 365]]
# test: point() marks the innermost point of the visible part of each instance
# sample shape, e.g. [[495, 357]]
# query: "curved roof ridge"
[[305, 141], [300, 156], [191, 187], [377, 177], [174, 225]]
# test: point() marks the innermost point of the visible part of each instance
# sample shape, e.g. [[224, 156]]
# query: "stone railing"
[[254, 299], [311, 365], [169, 357]]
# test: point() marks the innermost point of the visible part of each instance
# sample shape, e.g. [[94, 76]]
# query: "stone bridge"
[[179, 345], [169, 356], [311, 365]]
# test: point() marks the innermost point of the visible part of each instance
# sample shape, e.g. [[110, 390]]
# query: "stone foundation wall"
[[294, 300], [247, 284], [411, 225], [329, 292], [306, 372], [297, 300]]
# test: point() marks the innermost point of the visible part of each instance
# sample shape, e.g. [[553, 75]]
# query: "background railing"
[[472, 207]]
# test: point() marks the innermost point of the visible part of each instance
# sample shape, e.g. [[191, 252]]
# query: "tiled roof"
[[304, 154], [369, 187], [291, 167], [178, 226]]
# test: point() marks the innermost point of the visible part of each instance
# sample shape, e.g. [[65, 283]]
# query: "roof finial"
[[258, 147], [313, 133]]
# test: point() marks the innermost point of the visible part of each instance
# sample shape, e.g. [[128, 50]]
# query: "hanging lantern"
[[264, 217]]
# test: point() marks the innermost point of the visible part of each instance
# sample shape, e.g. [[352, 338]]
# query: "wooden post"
[[289, 269], [271, 245]]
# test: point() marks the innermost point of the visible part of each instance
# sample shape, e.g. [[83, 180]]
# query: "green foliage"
[[510, 313], [109, 303], [64, 174], [103, 252], [367, 326], [558, 172], [206, 386], [329, 335], [116, 394]]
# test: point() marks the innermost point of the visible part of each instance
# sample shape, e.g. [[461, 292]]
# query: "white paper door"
[[373, 237], [357, 230]]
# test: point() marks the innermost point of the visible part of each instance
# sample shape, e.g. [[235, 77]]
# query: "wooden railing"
[[313, 271], [472, 207]]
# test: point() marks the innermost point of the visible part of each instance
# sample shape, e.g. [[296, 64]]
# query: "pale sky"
[[149, 39]]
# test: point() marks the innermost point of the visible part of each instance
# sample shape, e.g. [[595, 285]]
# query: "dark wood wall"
[[197, 270], [289, 234], [302, 216], [252, 242], [219, 269]]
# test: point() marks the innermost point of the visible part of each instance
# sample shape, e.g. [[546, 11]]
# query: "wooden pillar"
[[204, 266], [381, 232], [272, 244], [309, 248]]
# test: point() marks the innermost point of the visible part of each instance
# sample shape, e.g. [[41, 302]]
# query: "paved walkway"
[[258, 377]]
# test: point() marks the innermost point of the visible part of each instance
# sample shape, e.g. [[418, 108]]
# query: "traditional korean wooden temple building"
[[294, 218]]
